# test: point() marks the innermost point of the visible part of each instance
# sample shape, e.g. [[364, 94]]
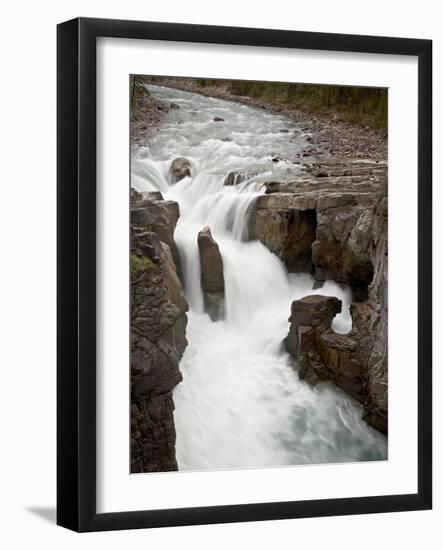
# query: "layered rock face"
[[332, 220], [235, 177], [212, 279], [322, 354], [370, 325], [323, 221], [287, 229], [158, 332], [180, 168]]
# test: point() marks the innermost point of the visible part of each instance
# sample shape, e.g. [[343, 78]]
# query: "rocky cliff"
[[332, 220], [158, 332]]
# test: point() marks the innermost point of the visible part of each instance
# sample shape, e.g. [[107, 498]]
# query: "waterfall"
[[241, 403]]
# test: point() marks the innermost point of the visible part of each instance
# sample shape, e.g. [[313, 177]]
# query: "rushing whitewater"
[[241, 403]]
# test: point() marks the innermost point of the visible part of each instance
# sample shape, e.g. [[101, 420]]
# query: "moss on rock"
[[140, 265]]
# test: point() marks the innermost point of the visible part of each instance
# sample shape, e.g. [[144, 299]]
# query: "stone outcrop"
[[180, 168], [351, 361], [212, 279], [158, 333], [332, 220], [286, 228], [356, 362], [370, 325], [160, 216], [324, 224], [320, 353]]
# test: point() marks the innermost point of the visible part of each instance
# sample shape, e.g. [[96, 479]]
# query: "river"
[[241, 403]]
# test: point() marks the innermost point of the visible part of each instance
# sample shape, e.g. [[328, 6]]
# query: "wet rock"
[[356, 362], [218, 119], [212, 279], [238, 176], [180, 168], [151, 196], [174, 106], [343, 244], [348, 244], [320, 353], [288, 229], [158, 334]]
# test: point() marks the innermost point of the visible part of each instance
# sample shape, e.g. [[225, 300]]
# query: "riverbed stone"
[[212, 278], [158, 334]]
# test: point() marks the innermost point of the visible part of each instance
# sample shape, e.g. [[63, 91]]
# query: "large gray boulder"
[[180, 168], [212, 279]]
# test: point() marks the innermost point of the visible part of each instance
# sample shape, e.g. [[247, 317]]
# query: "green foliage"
[[139, 92], [140, 265]]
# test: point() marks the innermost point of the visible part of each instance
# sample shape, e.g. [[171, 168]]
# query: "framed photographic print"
[[244, 274]]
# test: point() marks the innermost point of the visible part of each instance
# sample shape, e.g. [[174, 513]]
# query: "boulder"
[[212, 279], [218, 119], [180, 168]]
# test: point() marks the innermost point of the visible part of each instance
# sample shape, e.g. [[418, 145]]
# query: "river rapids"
[[241, 404]]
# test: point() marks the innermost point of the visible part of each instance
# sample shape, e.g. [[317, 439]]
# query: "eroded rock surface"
[[286, 227], [320, 353], [356, 362], [180, 168], [158, 333], [212, 279], [160, 216], [332, 220], [324, 224], [235, 177]]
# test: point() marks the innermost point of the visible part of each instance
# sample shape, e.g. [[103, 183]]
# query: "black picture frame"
[[76, 280]]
